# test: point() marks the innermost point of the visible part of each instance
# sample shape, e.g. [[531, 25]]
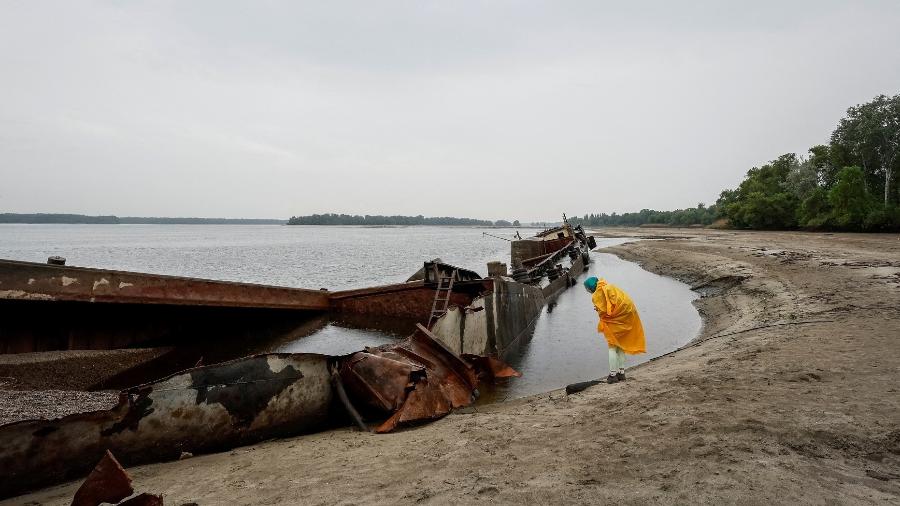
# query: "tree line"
[[355, 219], [56, 218], [848, 184], [47, 218], [701, 215]]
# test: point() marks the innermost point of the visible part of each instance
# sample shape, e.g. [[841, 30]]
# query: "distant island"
[[347, 219], [51, 218]]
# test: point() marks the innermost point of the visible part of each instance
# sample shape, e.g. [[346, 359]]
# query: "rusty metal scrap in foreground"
[[109, 483], [217, 407], [416, 380]]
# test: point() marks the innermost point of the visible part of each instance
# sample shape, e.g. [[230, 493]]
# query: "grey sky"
[[519, 109]]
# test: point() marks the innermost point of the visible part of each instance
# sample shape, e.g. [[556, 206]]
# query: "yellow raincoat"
[[619, 320]]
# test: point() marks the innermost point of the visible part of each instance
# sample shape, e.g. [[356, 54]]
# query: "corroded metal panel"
[[42, 282], [240, 402], [107, 483], [199, 410], [434, 271], [411, 300], [416, 380]]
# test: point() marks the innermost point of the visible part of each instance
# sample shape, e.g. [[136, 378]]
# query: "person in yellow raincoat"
[[619, 323]]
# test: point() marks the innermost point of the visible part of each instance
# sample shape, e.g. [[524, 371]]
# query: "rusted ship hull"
[[199, 410], [247, 400], [220, 406], [54, 307]]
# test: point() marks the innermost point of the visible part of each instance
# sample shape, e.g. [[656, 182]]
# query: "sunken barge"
[[461, 326]]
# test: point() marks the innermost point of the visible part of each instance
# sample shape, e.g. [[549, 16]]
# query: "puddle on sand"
[[566, 347]]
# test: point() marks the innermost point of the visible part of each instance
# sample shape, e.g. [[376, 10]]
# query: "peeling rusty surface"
[[216, 407], [380, 379], [108, 482], [411, 300], [199, 410], [491, 368], [240, 402], [434, 271], [34, 281], [416, 380]]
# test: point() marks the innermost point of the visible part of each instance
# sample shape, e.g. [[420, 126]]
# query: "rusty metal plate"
[[108, 482]]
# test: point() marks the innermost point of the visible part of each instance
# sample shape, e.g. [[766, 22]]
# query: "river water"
[[336, 258], [564, 348]]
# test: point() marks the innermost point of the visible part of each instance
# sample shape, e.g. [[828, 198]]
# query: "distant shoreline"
[[373, 221], [489, 227], [81, 219]]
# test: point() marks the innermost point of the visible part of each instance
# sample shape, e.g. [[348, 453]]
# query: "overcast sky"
[[501, 109]]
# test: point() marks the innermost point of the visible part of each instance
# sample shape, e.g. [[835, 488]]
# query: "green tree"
[[802, 180], [815, 210], [869, 137], [849, 199], [763, 199]]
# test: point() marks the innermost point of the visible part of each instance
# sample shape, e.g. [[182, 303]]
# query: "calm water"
[[314, 257], [564, 348]]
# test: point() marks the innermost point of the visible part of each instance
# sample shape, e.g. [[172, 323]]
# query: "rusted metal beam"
[[412, 300], [42, 282]]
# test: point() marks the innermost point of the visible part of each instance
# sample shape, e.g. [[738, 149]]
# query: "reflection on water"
[[333, 339], [566, 347]]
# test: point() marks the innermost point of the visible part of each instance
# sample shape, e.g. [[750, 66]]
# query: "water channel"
[[566, 347]]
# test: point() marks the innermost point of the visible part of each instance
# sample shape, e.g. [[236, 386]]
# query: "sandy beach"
[[791, 394]]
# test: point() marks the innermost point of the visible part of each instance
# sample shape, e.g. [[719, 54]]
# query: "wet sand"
[[791, 394]]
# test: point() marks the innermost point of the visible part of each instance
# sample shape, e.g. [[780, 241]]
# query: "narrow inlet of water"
[[565, 346]]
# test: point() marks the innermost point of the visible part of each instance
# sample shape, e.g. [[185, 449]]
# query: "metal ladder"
[[442, 297]]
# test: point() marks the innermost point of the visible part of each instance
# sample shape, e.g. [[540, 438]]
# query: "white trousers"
[[616, 360]]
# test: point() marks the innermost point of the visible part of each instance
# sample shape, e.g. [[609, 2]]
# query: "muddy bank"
[[789, 395]]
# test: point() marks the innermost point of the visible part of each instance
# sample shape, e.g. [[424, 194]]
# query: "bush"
[[882, 219], [850, 202], [815, 211]]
